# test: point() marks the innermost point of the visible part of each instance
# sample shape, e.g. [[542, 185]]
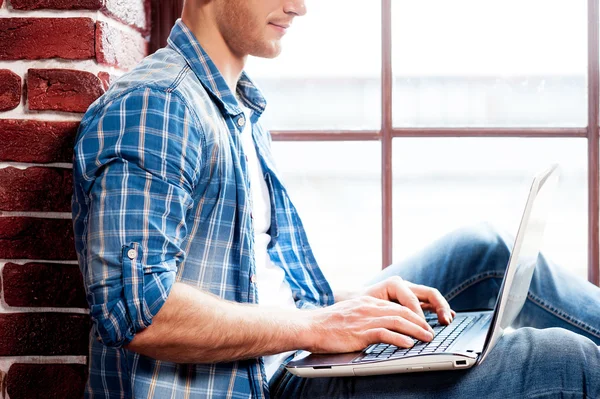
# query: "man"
[[199, 275]]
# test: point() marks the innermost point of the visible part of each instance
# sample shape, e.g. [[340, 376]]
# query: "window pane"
[[336, 187], [443, 184], [490, 63], [327, 76]]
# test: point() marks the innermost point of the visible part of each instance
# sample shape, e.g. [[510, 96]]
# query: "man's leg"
[[467, 267], [527, 363]]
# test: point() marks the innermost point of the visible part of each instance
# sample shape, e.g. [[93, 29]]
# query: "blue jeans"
[[553, 351]]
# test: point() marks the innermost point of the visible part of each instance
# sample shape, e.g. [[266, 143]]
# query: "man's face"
[[255, 27]]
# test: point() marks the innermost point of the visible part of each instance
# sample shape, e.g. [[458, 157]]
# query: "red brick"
[[48, 381], [118, 48], [10, 90], [36, 189], [44, 334], [106, 79], [36, 238], [56, 4], [43, 285], [35, 38], [65, 90], [133, 13], [37, 141]]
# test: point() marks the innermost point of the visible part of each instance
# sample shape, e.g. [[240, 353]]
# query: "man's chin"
[[269, 50]]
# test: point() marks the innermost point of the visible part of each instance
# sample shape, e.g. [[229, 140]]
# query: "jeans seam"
[[563, 315], [472, 281], [275, 389]]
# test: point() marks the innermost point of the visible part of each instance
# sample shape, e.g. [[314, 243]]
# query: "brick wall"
[[56, 58]]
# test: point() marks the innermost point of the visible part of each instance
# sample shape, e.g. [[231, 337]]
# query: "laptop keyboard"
[[444, 336]]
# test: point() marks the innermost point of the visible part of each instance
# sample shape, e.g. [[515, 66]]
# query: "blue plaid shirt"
[[161, 194]]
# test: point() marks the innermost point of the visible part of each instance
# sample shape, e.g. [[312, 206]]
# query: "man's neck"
[[210, 38]]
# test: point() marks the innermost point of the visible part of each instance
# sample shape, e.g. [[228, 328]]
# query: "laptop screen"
[[523, 259]]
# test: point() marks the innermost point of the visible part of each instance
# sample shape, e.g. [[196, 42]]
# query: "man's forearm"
[[196, 327]]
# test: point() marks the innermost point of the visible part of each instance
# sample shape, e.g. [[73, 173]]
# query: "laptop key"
[[444, 337]]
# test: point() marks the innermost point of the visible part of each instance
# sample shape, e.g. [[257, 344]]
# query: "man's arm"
[[137, 173], [135, 166], [196, 327]]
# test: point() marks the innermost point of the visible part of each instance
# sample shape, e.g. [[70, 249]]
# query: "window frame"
[[164, 14]]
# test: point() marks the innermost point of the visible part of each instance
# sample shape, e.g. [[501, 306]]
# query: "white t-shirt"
[[273, 289]]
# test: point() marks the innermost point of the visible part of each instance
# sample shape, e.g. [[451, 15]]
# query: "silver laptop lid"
[[523, 258]]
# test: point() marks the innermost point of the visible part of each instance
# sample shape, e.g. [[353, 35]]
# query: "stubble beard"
[[243, 35]]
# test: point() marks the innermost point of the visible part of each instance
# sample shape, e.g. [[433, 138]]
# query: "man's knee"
[[487, 248], [555, 351]]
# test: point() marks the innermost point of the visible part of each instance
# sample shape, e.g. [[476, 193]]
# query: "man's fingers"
[[386, 336], [436, 300], [430, 308], [395, 309], [399, 290], [403, 326]]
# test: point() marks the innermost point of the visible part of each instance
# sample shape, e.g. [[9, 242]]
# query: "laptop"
[[471, 336]]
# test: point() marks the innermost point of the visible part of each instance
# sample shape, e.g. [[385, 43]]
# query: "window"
[[509, 63], [396, 121], [341, 208], [444, 183], [327, 76]]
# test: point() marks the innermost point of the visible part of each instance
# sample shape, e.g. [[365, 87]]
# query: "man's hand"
[[231, 331], [197, 327], [352, 325], [414, 296]]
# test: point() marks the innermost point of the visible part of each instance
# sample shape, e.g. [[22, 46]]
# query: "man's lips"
[[281, 27]]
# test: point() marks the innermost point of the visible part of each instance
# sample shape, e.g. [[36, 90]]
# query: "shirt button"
[[132, 254], [253, 278], [241, 120]]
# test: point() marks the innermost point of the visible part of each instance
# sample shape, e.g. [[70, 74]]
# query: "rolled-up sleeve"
[[135, 167]]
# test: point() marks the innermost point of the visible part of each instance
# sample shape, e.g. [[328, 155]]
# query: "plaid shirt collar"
[[182, 39]]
